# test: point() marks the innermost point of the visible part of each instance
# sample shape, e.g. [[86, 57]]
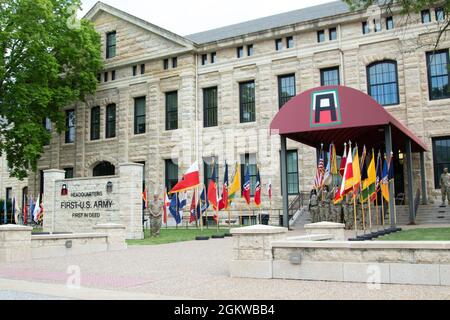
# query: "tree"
[[407, 8], [49, 61]]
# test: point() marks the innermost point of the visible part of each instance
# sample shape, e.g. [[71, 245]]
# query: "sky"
[[185, 17]]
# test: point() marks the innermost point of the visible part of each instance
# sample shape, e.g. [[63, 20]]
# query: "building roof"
[[359, 118], [283, 19]]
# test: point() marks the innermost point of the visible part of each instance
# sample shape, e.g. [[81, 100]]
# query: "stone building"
[[164, 97]]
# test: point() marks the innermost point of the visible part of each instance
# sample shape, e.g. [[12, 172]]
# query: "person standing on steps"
[[445, 186]]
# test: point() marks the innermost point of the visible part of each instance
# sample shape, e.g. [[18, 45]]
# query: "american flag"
[[318, 181]]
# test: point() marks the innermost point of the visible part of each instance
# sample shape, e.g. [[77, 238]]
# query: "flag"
[[364, 173], [235, 186], [203, 204], [173, 208], [347, 179], [369, 184], [145, 198], [5, 212], [343, 161], [258, 189], [269, 189], [318, 181], [191, 180], [25, 213], [36, 209], [246, 192], [385, 181], [356, 172], [328, 178], [40, 215], [333, 160], [182, 204], [379, 172], [15, 211], [212, 189], [391, 167], [223, 203], [193, 217], [165, 206]]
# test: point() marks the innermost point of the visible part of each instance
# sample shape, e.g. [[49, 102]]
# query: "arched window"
[[104, 169], [382, 82]]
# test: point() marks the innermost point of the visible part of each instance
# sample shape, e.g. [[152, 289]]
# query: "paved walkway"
[[188, 270]]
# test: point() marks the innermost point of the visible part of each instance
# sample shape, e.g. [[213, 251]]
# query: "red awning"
[[338, 114]]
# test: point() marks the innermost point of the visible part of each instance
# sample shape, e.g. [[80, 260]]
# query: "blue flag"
[[391, 168], [203, 204], [174, 208], [5, 219]]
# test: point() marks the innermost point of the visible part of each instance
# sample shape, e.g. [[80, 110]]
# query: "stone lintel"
[[325, 225], [259, 230]]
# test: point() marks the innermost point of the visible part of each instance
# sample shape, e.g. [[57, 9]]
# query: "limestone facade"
[[141, 43]]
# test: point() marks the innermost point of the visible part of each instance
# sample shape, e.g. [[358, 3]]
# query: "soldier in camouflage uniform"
[[348, 213], [155, 211], [314, 206], [445, 186], [325, 204], [336, 209]]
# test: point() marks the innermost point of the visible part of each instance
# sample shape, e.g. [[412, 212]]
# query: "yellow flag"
[[356, 172], [235, 186]]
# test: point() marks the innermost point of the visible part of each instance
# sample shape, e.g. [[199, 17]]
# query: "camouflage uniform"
[[348, 213], [445, 186], [155, 210], [325, 207], [314, 208], [335, 209]]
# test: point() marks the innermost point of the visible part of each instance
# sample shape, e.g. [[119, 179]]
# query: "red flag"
[[258, 189], [25, 214], [343, 162], [191, 180], [193, 217], [145, 198], [269, 189], [246, 193], [223, 203], [212, 190]]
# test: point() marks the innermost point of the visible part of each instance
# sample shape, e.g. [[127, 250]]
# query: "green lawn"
[[172, 235], [430, 234]]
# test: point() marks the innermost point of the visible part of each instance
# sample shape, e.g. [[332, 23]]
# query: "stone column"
[[252, 251], [116, 235], [15, 243], [50, 212], [130, 199]]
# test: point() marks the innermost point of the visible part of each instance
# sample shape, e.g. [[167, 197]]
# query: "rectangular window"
[[438, 75], [99, 77], [95, 123], [70, 126], [247, 101], [171, 174], [213, 57], [172, 110], [105, 76], [292, 172], [249, 160], [426, 16], [166, 64], [142, 68], [289, 42], [110, 121], [278, 44], [240, 52], [321, 36], [8, 195], [250, 50], [113, 75], [286, 89], [208, 170], [440, 14], [204, 59], [377, 25], [441, 157], [68, 173], [389, 23], [134, 71], [365, 27], [332, 34], [110, 45], [174, 62], [139, 115], [210, 107], [329, 77]]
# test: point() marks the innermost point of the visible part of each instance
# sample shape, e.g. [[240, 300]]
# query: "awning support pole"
[[423, 178], [388, 141], [409, 169], [284, 183]]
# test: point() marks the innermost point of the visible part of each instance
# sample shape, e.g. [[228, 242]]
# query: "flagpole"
[[199, 208], [370, 215], [363, 214]]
